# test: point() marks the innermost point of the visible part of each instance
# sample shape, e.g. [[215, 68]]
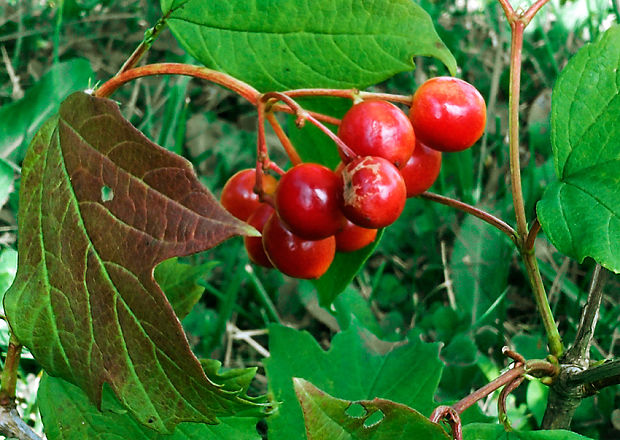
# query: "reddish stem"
[[303, 115], [489, 388], [270, 98], [348, 154], [501, 402], [532, 11], [8, 382], [239, 87], [483, 215], [352, 94], [263, 162], [284, 140], [531, 235], [450, 416]]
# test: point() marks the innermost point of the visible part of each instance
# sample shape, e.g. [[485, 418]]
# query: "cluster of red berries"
[[318, 211]]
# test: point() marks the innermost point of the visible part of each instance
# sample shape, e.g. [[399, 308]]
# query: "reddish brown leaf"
[[100, 206]]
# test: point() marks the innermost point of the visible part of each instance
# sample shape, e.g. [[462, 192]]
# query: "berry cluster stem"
[[9, 373], [518, 22]]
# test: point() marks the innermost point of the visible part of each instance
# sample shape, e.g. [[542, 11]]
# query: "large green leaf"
[[485, 431], [68, 414], [580, 213], [358, 366], [327, 418], [21, 119], [100, 206], [285, 44]]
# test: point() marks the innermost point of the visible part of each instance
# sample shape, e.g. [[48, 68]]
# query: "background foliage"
[[435, 275]]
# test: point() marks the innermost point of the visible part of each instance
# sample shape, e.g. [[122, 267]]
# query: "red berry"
[[238, 196], [308, 201], [448, 114], [295, 256], [374, 192], [352, 237], [254, 245], [378, 128], [421, 170]]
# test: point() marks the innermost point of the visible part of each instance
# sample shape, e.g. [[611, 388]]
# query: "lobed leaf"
[[358, 366], [68, 414], [486, 431], [580, 212], [327, 418], [287, 44], [100, 207]]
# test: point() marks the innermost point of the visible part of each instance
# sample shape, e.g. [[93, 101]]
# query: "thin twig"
[[532, 11], [12, 426], [596, 378], [483, 215], [352, 94], [580, 350], [446, 276], [238, 334], [8, 382], [450, 416], [531, 236], [241, 88], [288, 146]]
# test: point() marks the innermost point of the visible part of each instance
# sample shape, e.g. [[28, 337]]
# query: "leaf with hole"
[[292, 44], [327, 417], [358, 366], [84, 300], [580, 212]]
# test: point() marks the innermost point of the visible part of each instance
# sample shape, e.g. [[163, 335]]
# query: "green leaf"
[[358, 366], [68, 414], [329, 418], [21, 119], [479, 266], [580, 213], [291, 44], [485, 431], [342, 271], [180, 283], [100, 207]]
